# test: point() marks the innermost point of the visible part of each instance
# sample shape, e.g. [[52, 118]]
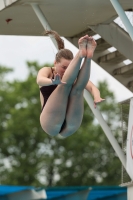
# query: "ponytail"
[[62, 53], [59, 41]]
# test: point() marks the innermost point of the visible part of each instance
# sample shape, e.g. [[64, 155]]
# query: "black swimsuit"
[[46, 92]]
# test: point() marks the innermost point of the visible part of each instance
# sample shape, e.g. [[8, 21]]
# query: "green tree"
[[31, 157]]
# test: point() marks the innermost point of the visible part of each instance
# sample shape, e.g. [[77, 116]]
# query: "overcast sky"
[[15, 51]]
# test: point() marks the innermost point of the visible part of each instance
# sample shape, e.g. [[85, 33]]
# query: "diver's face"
[[60, 67]]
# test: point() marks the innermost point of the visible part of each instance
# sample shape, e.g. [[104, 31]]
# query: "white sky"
[[15, 51]]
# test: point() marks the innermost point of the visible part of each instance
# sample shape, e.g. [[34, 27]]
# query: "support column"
[[123, 17], [43, 21], [105, 128]]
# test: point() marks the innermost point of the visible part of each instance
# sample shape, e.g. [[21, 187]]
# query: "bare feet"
[[91, 45], [83, 46], [87, 46]]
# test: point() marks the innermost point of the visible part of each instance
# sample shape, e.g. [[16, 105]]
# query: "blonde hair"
[[62, 53]]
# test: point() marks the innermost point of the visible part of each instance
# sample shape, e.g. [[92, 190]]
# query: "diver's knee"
[[68, 131], [51, 131]]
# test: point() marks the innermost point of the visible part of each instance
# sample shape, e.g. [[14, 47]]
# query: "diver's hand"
[[98, 100], [57, 80]]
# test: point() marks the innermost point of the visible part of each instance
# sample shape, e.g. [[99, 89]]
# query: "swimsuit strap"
[[52, 72]]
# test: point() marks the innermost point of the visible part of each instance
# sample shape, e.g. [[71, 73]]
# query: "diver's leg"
[[75, 106]]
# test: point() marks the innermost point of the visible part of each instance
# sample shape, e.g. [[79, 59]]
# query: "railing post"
[[123, 17]]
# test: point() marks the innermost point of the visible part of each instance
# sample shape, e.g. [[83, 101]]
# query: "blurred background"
[[28, 156]]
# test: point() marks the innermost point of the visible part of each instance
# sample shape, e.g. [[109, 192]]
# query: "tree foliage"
[[30, 157]]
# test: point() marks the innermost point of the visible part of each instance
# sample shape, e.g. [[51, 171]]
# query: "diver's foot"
[[91, 45], [83, 46]]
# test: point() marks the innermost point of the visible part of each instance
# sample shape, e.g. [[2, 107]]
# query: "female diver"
[[62, 86]]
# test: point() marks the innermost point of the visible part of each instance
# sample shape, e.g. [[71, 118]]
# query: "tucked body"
[[62, 86]]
